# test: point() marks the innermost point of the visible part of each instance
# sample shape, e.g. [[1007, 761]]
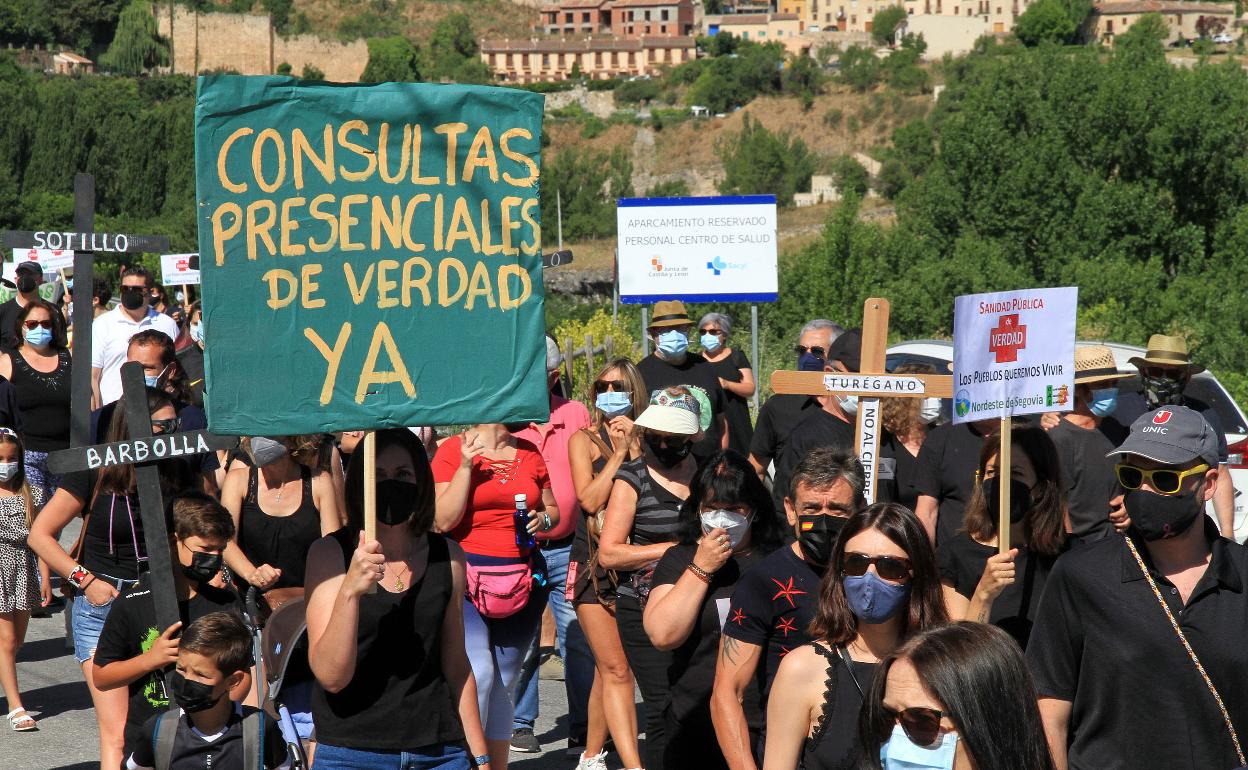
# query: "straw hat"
[[669, 313], [1095, 363], [670, 412], [1167, 350]]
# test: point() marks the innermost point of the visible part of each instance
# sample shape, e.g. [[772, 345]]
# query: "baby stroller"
[[276, 644]]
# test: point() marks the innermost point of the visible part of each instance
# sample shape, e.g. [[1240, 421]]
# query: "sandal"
[[21, 722]]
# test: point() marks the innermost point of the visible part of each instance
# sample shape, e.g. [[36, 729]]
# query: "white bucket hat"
[[671, 411]]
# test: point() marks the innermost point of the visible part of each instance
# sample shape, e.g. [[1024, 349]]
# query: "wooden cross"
[[143, 451], [869, 385], [84, 243]]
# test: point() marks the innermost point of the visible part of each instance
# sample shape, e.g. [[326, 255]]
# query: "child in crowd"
[[132, 650], [209, 729]]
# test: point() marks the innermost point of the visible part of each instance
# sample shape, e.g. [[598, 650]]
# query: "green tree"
[[1046, 21], [850, 177], [279, 12], [756, 161], [454, 54], [391, 59], [1147, 34], [136, 47], [885, 23], [587, 184], [676, 188], [802, 78], [860, 68], [312, 72]]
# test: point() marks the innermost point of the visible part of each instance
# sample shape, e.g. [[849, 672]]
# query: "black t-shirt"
[[1089, 478], [777, 418], [692, 673], [772, 607], [1102, 642], [192, 750], [961, 561], [817, 429], [947, 464], [129, 631], [736, 408], [898, 474], [694, 370]]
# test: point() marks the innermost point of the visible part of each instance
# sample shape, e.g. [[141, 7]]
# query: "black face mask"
[[27, 283], [1162, 391], [396, 500], [816, 536], [1020, 499], [192, 697], [1157, 517], [203, 567], [133, 297], [668, 455]]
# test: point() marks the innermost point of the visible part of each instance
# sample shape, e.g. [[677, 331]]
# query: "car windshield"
[[1205, 389]]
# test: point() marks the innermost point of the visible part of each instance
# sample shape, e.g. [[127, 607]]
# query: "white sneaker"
[[596, 762]]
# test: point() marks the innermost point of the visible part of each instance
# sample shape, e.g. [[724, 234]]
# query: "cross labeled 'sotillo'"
[[869, 385]]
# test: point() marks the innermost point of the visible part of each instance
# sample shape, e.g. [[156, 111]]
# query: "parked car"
[[1204, 386], [1223, 38]]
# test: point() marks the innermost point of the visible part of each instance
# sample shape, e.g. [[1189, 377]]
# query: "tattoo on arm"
[[728, 651]]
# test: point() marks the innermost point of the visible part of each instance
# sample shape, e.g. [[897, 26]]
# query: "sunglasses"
[[1164, 480], [716, 332], [32, 324], [893, 568], [619, 386], [166, 426], [921, 725], [817, 351]]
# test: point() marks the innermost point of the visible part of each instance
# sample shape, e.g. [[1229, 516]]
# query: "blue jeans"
[[578, 661], [442, 756], [88, 619]]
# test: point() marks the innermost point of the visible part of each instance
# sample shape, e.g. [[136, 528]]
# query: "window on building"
[[762, 33], [585, 17], [853, 19], [615, 62], [545, 61], [663, 14], [597, 58], [745, 34], [956, 11], [968, 12], [508, 60], [998, 10], [567, 18], [647, 15]]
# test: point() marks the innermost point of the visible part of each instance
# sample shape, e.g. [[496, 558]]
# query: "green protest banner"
[[370, 254]]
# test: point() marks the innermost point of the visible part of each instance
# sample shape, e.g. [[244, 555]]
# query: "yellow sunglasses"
[[1164, 480]]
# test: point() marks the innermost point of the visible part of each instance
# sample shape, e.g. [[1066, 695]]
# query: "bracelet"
[[546, 523], [77, 575], [481, 759], [699, 573], [89, 582]]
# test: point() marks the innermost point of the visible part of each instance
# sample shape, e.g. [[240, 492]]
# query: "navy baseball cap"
[[33, 267], [1171, 435]]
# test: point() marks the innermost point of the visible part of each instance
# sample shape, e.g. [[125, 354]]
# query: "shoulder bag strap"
[[75, 552], [253, 741], [1226, 716], [163, 738]]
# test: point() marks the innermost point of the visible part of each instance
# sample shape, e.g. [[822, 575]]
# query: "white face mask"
[[735, 524], [8, 470], [930, 410], [848, 404]]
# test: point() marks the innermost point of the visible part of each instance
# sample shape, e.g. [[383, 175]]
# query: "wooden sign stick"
[[871, 359], [1003, 484], [370, 490]]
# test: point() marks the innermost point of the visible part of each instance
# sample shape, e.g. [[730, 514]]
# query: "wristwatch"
[[78, 575], [481, 759]]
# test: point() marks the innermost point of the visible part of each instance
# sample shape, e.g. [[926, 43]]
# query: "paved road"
[[53, 689]]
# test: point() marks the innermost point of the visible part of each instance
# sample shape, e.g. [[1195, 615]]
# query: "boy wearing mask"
[[132, 652], [208, 728]]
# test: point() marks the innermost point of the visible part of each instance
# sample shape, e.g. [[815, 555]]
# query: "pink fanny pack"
[[499, 591]]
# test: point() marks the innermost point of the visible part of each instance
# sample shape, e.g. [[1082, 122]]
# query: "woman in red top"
[[478, 476]]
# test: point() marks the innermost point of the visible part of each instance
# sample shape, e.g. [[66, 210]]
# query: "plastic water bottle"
[[521, 517]]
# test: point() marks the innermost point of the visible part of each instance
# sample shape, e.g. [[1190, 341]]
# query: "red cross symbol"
[[1007, 339], [183, 264]]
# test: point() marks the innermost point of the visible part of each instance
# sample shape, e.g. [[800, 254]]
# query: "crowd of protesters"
[[731, 572]]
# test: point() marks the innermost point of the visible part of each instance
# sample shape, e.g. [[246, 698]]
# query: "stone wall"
[[600, 103], [247, 44]]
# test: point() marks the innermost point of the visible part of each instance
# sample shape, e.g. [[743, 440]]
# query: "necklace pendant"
[[398, 584]]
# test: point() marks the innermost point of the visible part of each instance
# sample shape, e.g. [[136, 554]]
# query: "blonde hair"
[[636, 385]]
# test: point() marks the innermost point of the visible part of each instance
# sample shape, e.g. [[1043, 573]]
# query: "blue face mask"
[[900, 753], [809, 362], [613, 403], [873, 599], [38, 337], [197, 332], [1103, 402], [153, 380], [673, 343], [710, 342]]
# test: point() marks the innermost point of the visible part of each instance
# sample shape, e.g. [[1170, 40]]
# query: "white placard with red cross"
[[1014, 353], [50, 260], [175, 270]]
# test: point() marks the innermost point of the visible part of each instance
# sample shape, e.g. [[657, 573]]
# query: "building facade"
[[619, 18], [1110, 19], [577, 17], [857, 15], [759, 27], [538, 60]]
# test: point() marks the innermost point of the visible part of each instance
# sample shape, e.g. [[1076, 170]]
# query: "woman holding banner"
[[110, 553], [594, 455], [982, 584], [394, 688], [482, 478]]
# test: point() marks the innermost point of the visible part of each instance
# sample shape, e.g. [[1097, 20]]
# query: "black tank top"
[[43, 398], [580, 542], [279, 541], [834, 744], [398, 698]]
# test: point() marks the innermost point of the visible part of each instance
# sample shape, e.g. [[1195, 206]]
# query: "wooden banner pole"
[[80, 372], [1003, 484], [370, 489]]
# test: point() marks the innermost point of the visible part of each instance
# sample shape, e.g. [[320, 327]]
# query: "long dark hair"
[[978, 674], [1044, 524], [175, 474], [835, 621], [353, 488], [728, 478], [58, 342]]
